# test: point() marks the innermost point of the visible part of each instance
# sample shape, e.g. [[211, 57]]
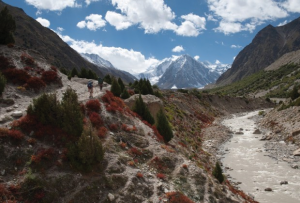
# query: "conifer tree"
[[7, 27], [163, 126], [141, 109], [115, 88], [125, 94], [218, 173], [122, 86], [107, 79], [83, 73], [74, 72]]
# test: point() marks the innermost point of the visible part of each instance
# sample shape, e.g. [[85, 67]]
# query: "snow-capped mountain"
[[183, 72], [97, 60]]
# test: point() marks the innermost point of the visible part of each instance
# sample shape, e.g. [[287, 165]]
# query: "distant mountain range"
[[30, 34], [267, 46], [183, 72]]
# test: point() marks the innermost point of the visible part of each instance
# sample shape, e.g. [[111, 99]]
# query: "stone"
[[284, 182], [296, 132], [295, 166], [239, 133], [268, 189], [296, 152], [17, 114], [257, 131], [111, 197]]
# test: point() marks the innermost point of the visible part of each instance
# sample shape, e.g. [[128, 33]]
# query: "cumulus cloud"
[[53, 5], [178, 49], [117, 20], [60, 29], [246, 15], [191, 26], [236, 46], [197, 57], [283, 23], [292, 5], [44, 22], [123, 59], [88, 2], [92, 22]]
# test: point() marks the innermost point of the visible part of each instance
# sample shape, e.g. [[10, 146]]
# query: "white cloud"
[[53, 5], [292, 5], [123, 59], [44, 22], [217, 62], [245, 15], [88, 2], [197, 57], [283, 23], [92, 22], [192, 25], [151, 15], [60, 29], [117, 20], [236, 46], [178, 49]]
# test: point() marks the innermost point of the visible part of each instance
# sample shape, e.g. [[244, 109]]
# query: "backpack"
[[90, 84]]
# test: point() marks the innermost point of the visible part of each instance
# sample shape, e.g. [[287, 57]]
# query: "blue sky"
[[134, 34]]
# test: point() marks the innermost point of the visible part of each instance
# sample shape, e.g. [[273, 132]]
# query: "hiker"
[[90, 88], [100, 82]]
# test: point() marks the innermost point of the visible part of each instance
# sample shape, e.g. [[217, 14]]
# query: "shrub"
[[125, 94], [5, 63], [178, 197], [139, 175], [113, 103], [17, 76], [53, 68], [113, 127], [115, 88], [93, 105], [95, 119], [122, 86], [218, 173], [35, 83], [135, 151], [102, 132], [163, 126], [161, 176], [27, 59], [2, 83], [141, 109], [107, 79], [16, 134], [3, 132], [49, 76], [184, 166]]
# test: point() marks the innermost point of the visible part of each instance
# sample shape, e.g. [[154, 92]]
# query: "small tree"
[[107, 79], [74, 72], [83, 73], [7, 27], [125, 94], [2, 83], [294, 94], [163, 126], [122, 86], [115, 88], [141, 109], [218, 173]]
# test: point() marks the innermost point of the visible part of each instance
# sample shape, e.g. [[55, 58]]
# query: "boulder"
[[17, 114], [111, 197], [268, 189], [296, 152], [153, 103], [284, 182], [296, 132], [257, 131]]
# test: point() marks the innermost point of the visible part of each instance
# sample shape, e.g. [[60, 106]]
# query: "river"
[[245, 161]]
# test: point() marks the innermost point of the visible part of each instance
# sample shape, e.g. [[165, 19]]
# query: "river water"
[[245, 161]]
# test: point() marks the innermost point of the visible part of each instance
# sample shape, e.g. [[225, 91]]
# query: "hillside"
[[30, 34], [267, 46], [137, 166]]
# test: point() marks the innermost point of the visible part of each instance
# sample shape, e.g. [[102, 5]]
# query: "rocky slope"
[[268, 45], [137, 166]]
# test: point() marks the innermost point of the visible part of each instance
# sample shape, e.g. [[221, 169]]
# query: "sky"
[[135, 34]]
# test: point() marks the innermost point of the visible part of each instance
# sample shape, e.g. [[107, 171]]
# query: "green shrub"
[[7, 27], [2, 83], [218, 173], [142, 86], [125, 94], [107, 79], [163, 126], [122, 86], [141, 109], [115, 88], [294, 94]]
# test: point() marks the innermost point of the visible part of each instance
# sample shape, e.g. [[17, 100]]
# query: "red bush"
[[102, 132], [49, 76], [27, 59], [131, 92], [93, 105], [113, 103], [42, 154], [160, 176], [17, 76], [184, 166], [82, 108], [35, 83], [27, 123], [95, 119], [16, 134], [177, 197], [5, 63], [53, 68], [139, 175], [27, 68], [113, 127], [3, 132], [135, 151]]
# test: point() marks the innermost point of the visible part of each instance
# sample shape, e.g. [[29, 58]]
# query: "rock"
[[3, 172], [111, 197], [295, 166], [296, 132], [268, 189], [9, 109], [17, 114], [257, 131], [239, 133], [297, 152], [284, 182]]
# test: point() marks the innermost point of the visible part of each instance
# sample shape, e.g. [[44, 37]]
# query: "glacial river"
[[250, 165]]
